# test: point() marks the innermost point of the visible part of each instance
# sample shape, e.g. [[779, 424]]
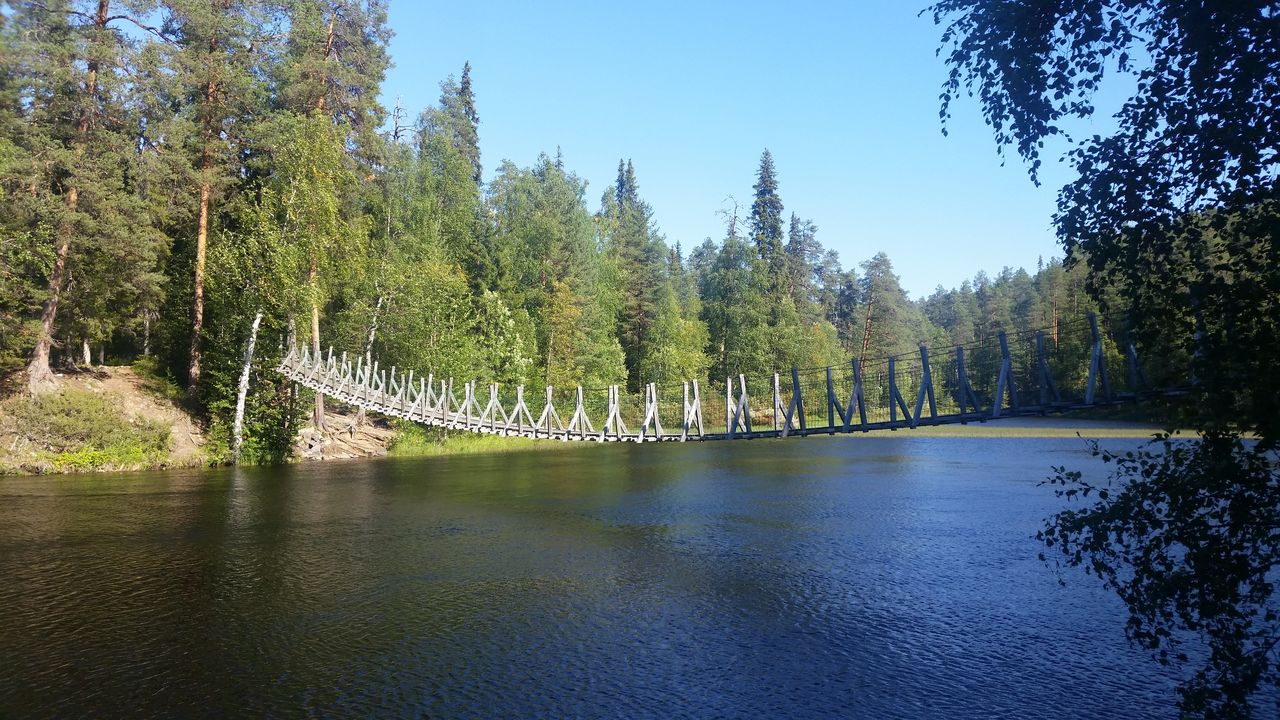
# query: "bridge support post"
[[777, 402], [580, 420], [614, 419], [796, 405], [895, 396], [1097, 366], [1005, 381], [833, 405], [926, 389], [684, 430], [1047, 386], [856, 398], [548, 416], [728, 405], [692, 411], [1137, 378], [741, 410], [651, 413]]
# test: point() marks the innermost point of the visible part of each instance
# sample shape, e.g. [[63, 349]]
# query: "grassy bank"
[[105, 419], [413, 440], [76, 431]]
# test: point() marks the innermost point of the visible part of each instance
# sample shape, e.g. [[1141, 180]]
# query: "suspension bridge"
[[1029, 373]]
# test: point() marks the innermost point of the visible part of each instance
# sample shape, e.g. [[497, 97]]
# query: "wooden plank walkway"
[[442, 403]]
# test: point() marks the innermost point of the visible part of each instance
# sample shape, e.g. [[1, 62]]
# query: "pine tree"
[[336, 57], [214, 68], [83, 187]]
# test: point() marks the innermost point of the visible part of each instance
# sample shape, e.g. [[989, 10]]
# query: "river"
[[888, 576]]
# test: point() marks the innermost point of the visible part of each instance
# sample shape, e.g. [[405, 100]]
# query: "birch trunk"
[[318, 419], [237, 428]]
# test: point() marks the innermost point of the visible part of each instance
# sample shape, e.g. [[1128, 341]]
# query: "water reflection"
[[879, 577]]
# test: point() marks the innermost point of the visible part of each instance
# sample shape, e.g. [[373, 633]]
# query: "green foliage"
[[734, 310], [85, 183], [80, 430], [25, 256], [1176, 215], [1176, 219], [266, 116], [1185, 535], [334, 61], [501, 346]]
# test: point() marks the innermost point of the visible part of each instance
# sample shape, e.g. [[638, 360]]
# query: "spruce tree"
[[470, 141], [641, 258], [448, 142], [766, 222], [804, 261]]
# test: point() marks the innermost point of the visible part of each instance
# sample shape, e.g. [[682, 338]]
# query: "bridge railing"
[[998, 375]]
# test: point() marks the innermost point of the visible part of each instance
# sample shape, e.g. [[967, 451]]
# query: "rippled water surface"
[[878, 577]]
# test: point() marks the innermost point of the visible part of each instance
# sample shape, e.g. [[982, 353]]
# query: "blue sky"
[[845, 96]]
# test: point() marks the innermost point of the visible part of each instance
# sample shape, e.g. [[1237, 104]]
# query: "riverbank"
[[113, 418], [107, 418]]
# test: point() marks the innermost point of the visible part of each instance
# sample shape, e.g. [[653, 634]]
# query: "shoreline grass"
[[413, 440]]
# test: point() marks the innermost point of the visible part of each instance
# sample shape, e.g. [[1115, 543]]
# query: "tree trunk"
[[202, 239], [330, 36], [237, 428], [866, 330], [368, 353], [202, 226], [318, 419], [39, 377], [88, 356], [146, 333], [102, 354], [1055, 319], [291, 342]]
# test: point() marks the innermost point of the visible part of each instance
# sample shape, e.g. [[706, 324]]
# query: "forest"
[[210, 183]]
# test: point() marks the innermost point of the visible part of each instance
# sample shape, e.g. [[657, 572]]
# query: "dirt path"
[[143, 398]]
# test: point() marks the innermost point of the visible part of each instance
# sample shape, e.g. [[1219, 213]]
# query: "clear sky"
[[844, 94]]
